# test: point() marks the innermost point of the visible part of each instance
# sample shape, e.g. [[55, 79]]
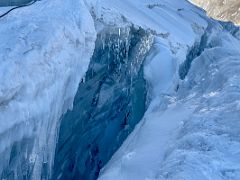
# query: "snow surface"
[[164, 17], [191, 128], [45, 50]]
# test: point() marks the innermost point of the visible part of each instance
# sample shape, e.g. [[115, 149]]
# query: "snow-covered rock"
[[225, 10]]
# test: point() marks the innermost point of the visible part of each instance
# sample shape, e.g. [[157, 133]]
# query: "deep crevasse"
[[43, 144], [107, 106], [45, 57], [190, 130]]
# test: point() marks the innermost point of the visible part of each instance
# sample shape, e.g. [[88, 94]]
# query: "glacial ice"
[[191, 129], [5, 3], [108, 104], [69, 98], [42, 60]]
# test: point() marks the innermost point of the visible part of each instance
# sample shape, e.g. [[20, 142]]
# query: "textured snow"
[[191, 128], [44, 52], [164, 17]]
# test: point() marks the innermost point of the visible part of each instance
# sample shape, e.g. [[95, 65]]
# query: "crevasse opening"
[[109, 103]]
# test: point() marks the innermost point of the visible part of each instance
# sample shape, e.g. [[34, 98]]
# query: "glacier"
[[118, 90], [110, 101], [190, 130]]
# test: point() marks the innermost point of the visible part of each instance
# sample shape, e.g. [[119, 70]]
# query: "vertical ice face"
[[45, 50], [109, 103]]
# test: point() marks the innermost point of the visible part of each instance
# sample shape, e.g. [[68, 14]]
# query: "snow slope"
[[191, 128], [44, 52], [13, 2]]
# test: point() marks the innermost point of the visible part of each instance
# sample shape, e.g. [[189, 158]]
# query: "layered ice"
[[45, 50]]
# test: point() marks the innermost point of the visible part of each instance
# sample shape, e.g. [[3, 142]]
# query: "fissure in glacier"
[[117, 89], [109, 103], [193, 53]]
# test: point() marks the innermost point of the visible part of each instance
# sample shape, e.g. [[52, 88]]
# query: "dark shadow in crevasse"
[[108, 104]]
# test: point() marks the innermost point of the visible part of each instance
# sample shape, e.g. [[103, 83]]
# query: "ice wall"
[[109, 103], [42, 60]]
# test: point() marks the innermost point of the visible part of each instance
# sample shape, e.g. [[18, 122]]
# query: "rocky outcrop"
[[226, 10]]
